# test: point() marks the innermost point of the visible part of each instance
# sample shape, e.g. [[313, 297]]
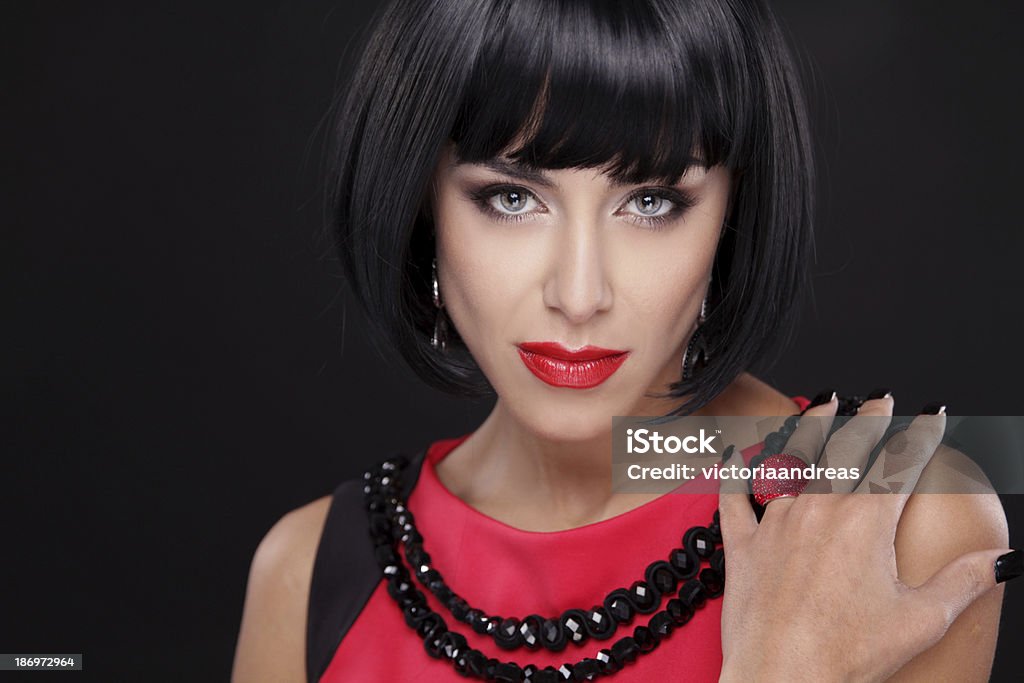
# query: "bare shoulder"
[[938, 527], [952, 471], [935, 529], [272, 638]]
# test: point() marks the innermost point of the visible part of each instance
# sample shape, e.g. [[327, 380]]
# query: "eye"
[[512, 200], [656, 207], [650, 205], [507, 202]]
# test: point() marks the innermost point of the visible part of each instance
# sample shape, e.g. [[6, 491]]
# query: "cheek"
[[667, 281], [484, 271]]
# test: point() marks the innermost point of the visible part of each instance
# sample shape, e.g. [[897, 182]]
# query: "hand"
[[812, 592]]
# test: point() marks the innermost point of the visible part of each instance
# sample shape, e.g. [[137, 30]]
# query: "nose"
[[577, 284]]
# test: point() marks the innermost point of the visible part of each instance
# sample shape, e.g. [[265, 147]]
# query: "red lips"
[[563, 367]]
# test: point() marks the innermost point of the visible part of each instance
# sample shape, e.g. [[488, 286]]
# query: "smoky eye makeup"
[[652, 207], [657, 207], [506, 201]]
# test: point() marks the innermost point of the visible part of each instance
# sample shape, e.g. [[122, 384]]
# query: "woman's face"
[[572, 258]]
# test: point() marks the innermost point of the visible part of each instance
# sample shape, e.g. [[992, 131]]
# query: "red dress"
[[507, 571]]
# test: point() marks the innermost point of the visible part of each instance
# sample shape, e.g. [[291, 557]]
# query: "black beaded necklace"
[[391, 522], [576, 626]]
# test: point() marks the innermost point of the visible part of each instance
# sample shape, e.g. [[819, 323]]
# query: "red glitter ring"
[[768, 488]]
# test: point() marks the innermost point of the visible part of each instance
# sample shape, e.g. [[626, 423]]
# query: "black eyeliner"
[[681, 202]]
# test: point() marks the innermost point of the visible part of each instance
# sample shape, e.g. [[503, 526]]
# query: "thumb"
[[736, 517], [952, 589]]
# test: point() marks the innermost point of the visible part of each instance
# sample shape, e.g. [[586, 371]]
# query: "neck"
[[538, 482], [527, 480], [543, 482]]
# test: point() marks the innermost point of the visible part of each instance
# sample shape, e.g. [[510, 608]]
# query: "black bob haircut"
[[642, 89]]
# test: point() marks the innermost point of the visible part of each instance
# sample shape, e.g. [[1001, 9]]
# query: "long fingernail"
[[1009, 566], [822, 398], [880, 393], [934, 408]]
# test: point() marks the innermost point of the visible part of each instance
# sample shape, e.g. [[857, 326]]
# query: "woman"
[[599, 209]]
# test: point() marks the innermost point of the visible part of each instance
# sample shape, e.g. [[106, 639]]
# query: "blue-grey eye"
[[512, 200], [649, 204]]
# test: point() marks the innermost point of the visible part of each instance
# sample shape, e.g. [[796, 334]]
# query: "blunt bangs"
[[642, 89], [628, 86]]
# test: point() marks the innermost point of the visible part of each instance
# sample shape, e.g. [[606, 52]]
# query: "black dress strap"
[[345, 572]]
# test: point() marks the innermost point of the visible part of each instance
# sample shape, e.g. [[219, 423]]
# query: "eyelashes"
[[490, 197]]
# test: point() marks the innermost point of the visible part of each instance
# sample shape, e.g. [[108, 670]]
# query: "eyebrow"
[[519, 171]]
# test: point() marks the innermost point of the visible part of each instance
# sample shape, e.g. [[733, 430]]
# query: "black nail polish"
[[1009, 566], [822, 398], [880, 393], [934, 408]]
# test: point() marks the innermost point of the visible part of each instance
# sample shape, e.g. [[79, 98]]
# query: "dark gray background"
[[179, 368]]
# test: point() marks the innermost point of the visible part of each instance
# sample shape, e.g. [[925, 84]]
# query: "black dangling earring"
[[439, 340], [697, 353]]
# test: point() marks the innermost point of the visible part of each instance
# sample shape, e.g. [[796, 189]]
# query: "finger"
[[902, 459], [851, 445], [810, 434], [940, 600], [736, 517], [806, 443]]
